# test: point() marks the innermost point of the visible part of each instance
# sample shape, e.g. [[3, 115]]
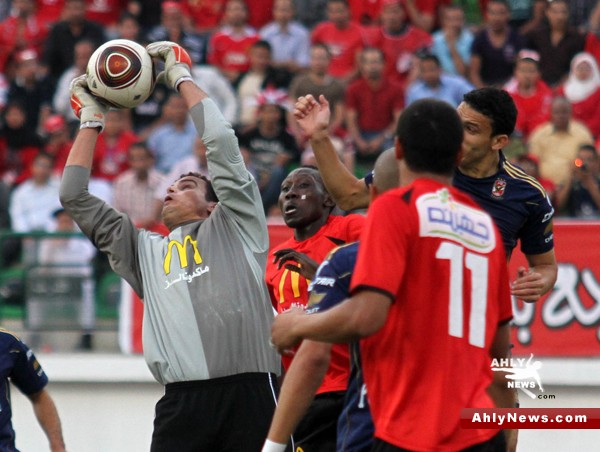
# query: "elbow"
[[365, 326]]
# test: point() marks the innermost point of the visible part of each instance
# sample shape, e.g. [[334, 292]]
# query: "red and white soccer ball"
[[121, 72]]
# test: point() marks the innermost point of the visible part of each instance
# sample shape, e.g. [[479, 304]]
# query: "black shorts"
[[494, 444], [317, 431], [229, 414]]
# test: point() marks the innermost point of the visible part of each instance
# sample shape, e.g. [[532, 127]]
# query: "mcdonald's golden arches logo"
[[181, 252]]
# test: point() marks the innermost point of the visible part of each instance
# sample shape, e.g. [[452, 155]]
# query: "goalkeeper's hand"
[[88, 108], [177, 62]]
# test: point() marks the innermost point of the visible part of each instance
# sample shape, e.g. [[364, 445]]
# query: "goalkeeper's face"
[[186, 201]]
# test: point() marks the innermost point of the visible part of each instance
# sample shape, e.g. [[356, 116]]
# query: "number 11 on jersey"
[[478, 267]]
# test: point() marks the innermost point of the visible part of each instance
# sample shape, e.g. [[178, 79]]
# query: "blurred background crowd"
[[369, 58]]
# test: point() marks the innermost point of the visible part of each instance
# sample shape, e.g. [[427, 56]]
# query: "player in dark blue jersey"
[[329, 287], [517, 202], [19, 365]]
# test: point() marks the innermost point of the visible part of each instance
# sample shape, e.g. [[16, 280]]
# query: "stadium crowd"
[[370, 60]]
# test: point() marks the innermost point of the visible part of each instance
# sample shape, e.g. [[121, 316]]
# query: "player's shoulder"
[[336, 222], [8, 338], [527, 185], [343, 252]]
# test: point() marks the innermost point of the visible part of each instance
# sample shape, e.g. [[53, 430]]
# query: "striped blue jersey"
[[330, 287], [518, 204], [19, 365]]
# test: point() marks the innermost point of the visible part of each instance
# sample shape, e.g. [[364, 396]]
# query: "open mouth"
[[290, 209], [167, 199]]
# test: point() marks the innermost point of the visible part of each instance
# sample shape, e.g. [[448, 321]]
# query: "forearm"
[[418, 19], [82, 151], [357, 317], [460, 66], [47, 416], [192, 93], [299, 387], [347, 191]]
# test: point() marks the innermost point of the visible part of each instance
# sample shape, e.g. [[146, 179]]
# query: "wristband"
[[183, 79], [272, 446], [91, 125]]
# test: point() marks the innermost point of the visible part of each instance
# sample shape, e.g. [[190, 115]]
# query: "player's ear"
[[328, 201], [211, 206], [398, 149], [499, 142]]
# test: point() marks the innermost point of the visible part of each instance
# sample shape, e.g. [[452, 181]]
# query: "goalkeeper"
[[207, 314]]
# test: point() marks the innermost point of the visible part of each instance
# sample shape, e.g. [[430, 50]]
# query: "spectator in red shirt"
[[343, 38], [582, 90], [530, 93], [205, 15], [373, 105], [260, 12], [110, 156], [22, 29], [50, 11], [105, 12], [365, 12], [228, 47], [399, 41]]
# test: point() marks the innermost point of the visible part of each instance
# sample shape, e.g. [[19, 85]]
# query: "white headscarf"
[[577, 90]]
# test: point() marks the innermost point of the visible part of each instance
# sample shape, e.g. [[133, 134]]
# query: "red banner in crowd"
[[565, 322]]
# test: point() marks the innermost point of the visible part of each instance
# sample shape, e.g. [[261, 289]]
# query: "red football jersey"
[[442, 262], [533, 109], [399, 50], [344, 45], [289, 289], [230, 52]]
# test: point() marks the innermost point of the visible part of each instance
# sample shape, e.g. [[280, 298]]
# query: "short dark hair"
[[211, 195], [431, 134], [320, 45], [262, 44], [497, 105], [427, 56]]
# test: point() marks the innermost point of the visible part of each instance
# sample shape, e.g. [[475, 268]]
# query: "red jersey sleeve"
[[381, 258], [355, 224], [503, 290]]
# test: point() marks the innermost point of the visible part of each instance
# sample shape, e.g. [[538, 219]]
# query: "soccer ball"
[[121, 72]]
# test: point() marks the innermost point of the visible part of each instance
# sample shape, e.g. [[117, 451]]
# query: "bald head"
[[385, 171]]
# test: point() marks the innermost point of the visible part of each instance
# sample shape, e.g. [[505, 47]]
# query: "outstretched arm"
[[359, 316], [313, 117], [47, 415], [300, 384]]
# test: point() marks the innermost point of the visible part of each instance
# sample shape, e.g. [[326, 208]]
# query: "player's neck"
[[482, 168], [408, 176]]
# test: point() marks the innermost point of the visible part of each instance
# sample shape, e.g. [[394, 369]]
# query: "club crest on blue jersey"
[[499, 188]]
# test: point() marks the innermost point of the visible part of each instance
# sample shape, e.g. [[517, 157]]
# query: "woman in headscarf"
[[582, 89]]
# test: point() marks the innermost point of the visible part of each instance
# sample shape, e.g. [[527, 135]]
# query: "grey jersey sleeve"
[[112, 232], [235, 187]]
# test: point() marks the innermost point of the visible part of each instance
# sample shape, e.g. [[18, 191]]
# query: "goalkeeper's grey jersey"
[[207, 312]]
